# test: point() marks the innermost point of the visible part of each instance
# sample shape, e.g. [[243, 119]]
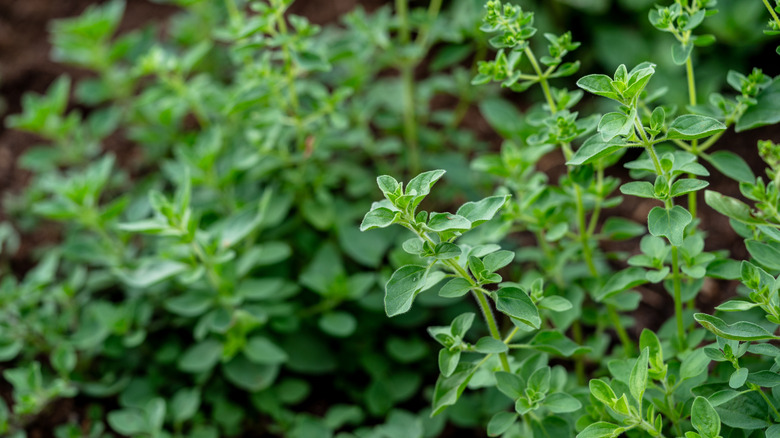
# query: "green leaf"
[[449, 389], [692, 126], [681, 52], [420, 185], [704, 418], [554, 342], [248, 375], [669, 223], [555, 303], [497, 260], [201, 357], [687, 185], [446, 222], [461, 324], [774, 431], [488, 345], [185, 404], [448, 361], [764, 254], [615, 124], [128, 421], [617, 228], [500, 423], [694, 364], [454, 288], [623, 280], [738, 378], [600, 85], [261, 350], [516, 303], [733, 208], [561, 403], [510, 384], [482, 211], [736, 306], [379, 217], [593, 149], [731, 165], [339, 324], [642, 189], [387, 184], [502, 116], [189, 304], [540, 380], [150, 272], [601, 430], [637, 382], [403, 286], [765, 378], [766, 111], [64, 359], [739, 331], [602, 392]]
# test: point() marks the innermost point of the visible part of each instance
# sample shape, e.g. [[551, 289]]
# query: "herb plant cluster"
[[211, 279]]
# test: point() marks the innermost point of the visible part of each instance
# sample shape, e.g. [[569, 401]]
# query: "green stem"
[[772, 12], [625, 340], [407, 81], [433, 11], [768, 402], [678, 309], [542, 80], [235, 16], [579, 360], [691, 82], [479, 293]]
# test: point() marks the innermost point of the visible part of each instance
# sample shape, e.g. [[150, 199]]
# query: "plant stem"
[[772, 12], [542, 80], [678, 309], [768, 402], [433, 11], [625, 340], [694, 144], [407, 83], [233, 13], [479, 293]]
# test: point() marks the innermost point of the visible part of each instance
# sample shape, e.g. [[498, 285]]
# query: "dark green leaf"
[[500, 423], [488, 345]]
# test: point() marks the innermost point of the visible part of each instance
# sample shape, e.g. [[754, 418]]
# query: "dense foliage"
[[213, 278]]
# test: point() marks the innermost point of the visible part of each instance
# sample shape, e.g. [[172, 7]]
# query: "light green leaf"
[[692, 126], [555, 303], [602, 392], [201, 357], [185, 404], [339, 324], [516, 303], [731, 207], [765, 254], [681, 52], [482, 211], [449, 389], [704, 418], [731, 165], [642, 189], [601, 430], [403, 286], [669, 223], [600, 85], [766, 111], [248, 375], [379, 217], [593, 149], [261, 350], [739, 331], [561, 403], [637, 382], [488, 345], [554, 342], [448, 222], [448, 361], [454, 288], [500, 423], [687, 185]]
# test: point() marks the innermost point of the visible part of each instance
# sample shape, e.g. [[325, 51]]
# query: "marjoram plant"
[[700, 375]]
